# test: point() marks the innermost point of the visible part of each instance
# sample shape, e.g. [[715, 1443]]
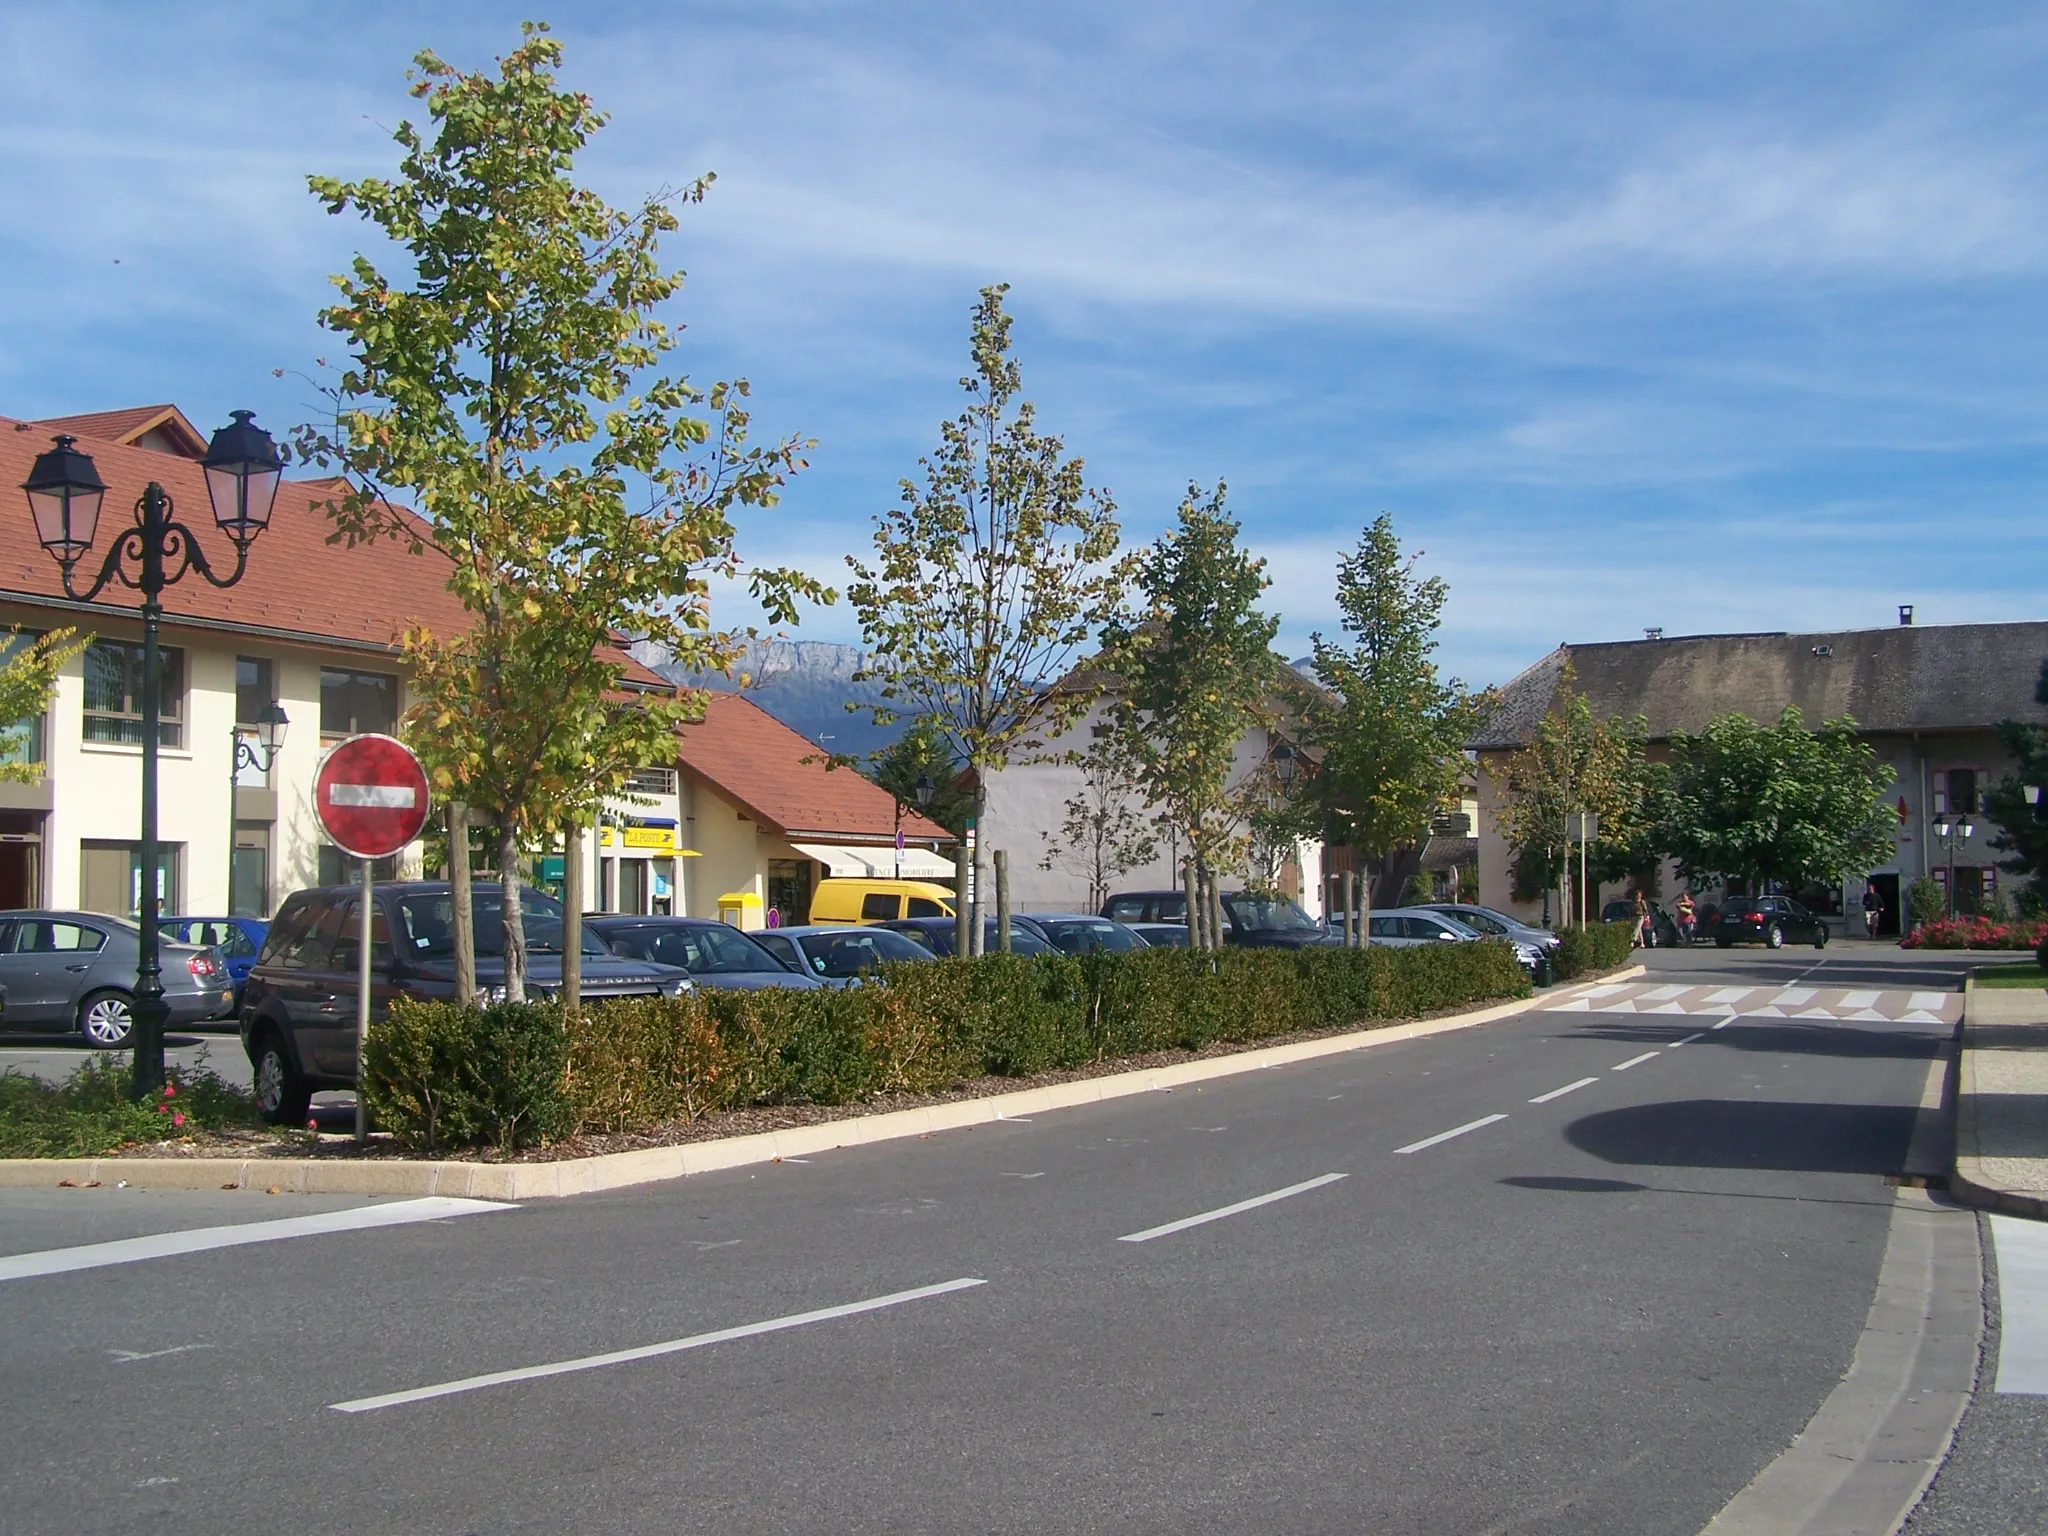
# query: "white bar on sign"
[[384, 797]]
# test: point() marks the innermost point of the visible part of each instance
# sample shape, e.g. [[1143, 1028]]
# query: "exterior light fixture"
[[64, 493], [924, 791]]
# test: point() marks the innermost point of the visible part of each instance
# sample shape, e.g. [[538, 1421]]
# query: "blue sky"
[[1708, 317]]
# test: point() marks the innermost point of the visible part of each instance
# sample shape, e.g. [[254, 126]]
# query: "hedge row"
[[1591, 948], [509, 1076]]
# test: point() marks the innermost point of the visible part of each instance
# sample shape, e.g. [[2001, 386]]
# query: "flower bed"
[[1975, 933]]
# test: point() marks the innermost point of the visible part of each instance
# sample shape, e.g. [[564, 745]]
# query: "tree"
[[508, 390], [1191, 666], [1575, 762], [2022, 831], [28, 676], [1105, 830], [1776, 803], [1390, 732], [921, 752], [988, 578]]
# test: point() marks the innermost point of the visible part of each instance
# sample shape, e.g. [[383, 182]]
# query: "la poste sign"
[[371, 796]]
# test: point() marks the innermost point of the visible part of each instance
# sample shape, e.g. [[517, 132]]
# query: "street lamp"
[[1948, 834], [1284, 764], [260, 755], [242, 467]]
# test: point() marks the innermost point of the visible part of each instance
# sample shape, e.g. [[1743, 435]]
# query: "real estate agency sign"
[[371, 796]]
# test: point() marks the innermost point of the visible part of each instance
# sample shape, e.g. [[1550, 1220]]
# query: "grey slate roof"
[[1908, 678]]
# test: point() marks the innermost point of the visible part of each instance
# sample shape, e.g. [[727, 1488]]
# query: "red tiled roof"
[[781, 780], [131, 423]]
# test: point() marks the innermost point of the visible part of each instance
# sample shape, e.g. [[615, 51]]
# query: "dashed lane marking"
[[1558, 1093], [1634, 1061], [1241, 1206], [1443, 1136]]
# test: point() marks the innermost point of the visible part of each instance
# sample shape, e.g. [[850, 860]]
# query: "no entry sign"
[[371, 796]]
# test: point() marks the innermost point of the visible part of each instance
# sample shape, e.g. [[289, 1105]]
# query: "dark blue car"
[[236, 939]]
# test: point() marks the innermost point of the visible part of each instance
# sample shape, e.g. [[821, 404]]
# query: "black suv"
[[299, 1004]]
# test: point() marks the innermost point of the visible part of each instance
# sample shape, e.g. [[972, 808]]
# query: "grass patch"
[[89, 1113], [2028, 976]]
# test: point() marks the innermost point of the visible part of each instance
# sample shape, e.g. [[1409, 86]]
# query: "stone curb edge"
[[1967, 1182], [618, 1170]]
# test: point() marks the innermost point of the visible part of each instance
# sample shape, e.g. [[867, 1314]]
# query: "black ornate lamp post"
[[64, 489], [1949, 833], [261, 755]]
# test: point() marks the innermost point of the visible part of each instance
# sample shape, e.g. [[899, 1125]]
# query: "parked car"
[[1773, 921], [936, 935], [237, 940], [1257, 922], [1406, 927], [837, 952], [876, 901], [1663, 926], [67, 971], [299, 1006], [716, 955], [1161, 935], [1494, 924], [1076, 933]]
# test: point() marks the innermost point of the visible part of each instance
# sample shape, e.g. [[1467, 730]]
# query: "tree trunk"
[[572, 916], [1347, 885], [1219, 926], [514, 923], [1364, 903], [462, 914], [1194, 904], [1002, 858], [963, 918]]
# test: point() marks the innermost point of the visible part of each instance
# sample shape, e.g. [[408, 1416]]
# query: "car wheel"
[[281, 1094], [1820, 937], [1722, 943], [107, 1020], [1774, 937]]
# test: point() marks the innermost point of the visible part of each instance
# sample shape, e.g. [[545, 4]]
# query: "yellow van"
[[877, 901]]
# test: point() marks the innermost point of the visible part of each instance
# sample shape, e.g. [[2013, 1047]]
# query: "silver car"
[[1494, 924], [66, 971], [1403, 926]]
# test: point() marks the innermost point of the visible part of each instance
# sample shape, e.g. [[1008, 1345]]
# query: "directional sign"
[[371, 796]]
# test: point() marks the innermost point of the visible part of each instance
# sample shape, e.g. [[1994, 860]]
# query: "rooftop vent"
[[1823, 650], [1905, 613], [1654, 633]]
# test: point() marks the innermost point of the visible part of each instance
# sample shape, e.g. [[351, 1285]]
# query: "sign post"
[[371, 798]]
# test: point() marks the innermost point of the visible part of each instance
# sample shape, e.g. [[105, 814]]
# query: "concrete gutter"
[[2001, 1151], [618, 1170]]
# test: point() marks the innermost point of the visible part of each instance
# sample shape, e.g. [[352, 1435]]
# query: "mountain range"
[[806, 684]]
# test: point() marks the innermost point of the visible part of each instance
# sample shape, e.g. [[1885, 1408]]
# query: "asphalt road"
[[1604, 1312]]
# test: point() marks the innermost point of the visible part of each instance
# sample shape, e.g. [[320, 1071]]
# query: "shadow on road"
[[1774, 1038], [1741, 1133]]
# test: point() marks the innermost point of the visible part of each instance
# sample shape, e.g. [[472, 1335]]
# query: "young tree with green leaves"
[[506, 384], [990, 576], [1106, 829], [1776, 803], [29, 665], [1389, 731], [921, 752], [1191, 668]]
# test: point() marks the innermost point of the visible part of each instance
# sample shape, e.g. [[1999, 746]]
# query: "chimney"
[[1905, 613], [1656, 632]]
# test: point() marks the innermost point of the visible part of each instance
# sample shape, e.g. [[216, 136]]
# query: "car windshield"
[[427, 924], [856, 951], [1485, 922], [708, 949], [1083, 935], [1267, 914]]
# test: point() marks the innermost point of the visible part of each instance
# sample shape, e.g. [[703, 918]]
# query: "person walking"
[[1688, 917], [1873, 911], [1645, 935]]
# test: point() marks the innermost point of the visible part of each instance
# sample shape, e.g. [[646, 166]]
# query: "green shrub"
[[90, 1112], [442, 1076], [1925, 902], [1592, 948], [436, 1075]]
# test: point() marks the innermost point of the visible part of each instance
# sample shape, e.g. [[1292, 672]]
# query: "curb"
[[1967, 1182], [619, 1170]]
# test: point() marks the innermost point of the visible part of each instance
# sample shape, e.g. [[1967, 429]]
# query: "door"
[[298, 974], [333, 1035], [45, 969], [1887, 888]]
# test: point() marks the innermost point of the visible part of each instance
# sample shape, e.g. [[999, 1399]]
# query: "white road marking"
[[1622, 1007], [1664, 994], [1039, 1175], [2022, 1304], [1666, 1008], [1919, 1016], [1607, 989], [1443, 1136], [1869, 1013], [1576, 1005], [650, 1351], [1635, 1061], [1859, 999], [131, 1250], [1791, 997], [1688, 1040], [130, 1356], [1815, 1013], [1724, 1023], [1254, 1203], [1930, 1001], [1558, 1093], [1731, 994]]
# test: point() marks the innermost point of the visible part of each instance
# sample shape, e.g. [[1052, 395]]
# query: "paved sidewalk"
[[2002, 1102]]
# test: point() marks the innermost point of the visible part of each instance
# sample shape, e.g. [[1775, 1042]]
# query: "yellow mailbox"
[[742, 909]]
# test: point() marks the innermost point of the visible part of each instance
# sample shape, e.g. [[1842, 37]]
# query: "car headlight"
[[680, 986]]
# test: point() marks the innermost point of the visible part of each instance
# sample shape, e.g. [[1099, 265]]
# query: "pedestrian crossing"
[[1834, 1004]]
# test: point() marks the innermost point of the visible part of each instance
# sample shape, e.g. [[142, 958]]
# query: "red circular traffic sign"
[[371, 796]]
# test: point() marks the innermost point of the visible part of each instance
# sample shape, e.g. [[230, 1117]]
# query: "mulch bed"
[[732, 1122]]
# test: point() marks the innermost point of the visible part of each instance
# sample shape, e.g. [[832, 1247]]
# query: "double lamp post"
[[242, 467]]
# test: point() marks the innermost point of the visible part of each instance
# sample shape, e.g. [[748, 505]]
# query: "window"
[[250, 896], [38, 937], [23, 742], [357, 703], [879, 906], [652, 781], [789, 888], [924, 906], [113, 693], [110, 877], [1962, 792], [253, 688]]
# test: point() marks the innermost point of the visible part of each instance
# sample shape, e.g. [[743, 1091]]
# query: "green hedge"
[[441, 1076], [1593, 948]]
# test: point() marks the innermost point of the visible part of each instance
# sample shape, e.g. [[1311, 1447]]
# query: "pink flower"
[[312, 1125], [170, 1090], [177, 1120]]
